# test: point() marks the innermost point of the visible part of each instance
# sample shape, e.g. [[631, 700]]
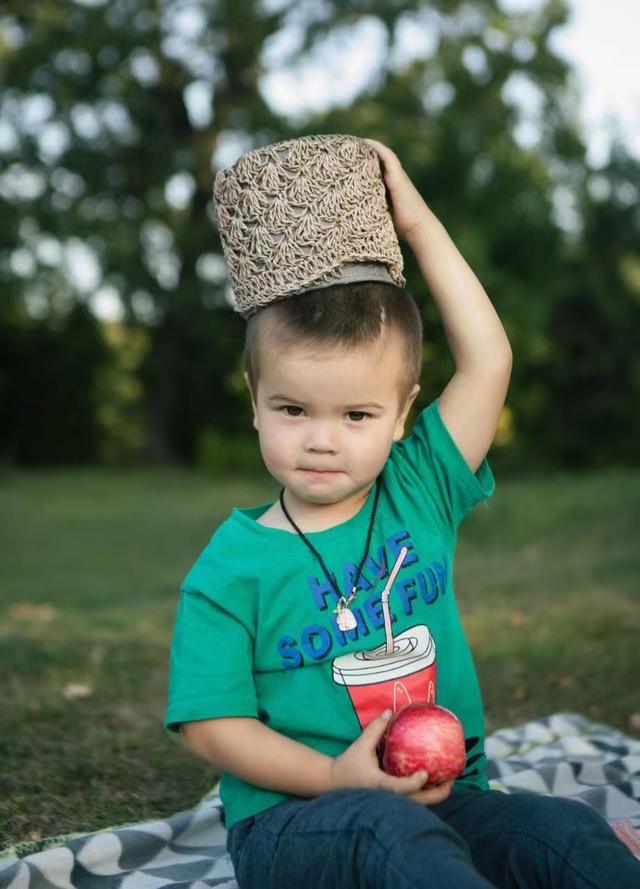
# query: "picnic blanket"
[[563, 754]]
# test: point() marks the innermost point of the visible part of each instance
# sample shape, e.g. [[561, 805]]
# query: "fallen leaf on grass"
[[566, 681], [520, 693], [36, 613], [73, 690], [562, 681]]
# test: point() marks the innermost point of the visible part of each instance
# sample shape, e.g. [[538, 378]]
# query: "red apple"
[[424, 736]]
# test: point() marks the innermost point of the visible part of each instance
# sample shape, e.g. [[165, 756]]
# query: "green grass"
[[546, 575]]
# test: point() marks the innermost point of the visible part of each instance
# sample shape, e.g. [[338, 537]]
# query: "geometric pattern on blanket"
[[564, 754], [568, 755]]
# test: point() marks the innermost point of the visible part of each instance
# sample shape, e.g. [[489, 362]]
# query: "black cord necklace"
[[345, 618]]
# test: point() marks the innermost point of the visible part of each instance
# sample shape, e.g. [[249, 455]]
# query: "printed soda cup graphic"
[[377, 680]]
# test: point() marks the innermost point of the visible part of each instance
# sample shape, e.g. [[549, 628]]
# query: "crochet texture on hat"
[[292, 213]]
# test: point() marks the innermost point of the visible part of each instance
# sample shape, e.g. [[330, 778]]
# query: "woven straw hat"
[[302, 214]]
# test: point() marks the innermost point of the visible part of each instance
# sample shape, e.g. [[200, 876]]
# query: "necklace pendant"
[[345, 618]]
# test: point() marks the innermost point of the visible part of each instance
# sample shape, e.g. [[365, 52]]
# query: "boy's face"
[[326, 420]]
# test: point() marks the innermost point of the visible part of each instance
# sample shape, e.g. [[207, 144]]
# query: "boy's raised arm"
[[472, 401]]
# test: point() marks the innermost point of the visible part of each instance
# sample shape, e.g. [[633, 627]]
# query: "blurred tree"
[[120, 414], [51, 409], [517, 196], [123, 111], [113, 157], [594, 378]]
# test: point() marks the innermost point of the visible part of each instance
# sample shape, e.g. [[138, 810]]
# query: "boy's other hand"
[[408, 208], [358, 767]]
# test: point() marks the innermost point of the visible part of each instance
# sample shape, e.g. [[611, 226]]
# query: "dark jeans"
[[374, 839]]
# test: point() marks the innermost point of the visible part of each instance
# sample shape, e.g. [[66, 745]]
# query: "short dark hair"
[[347, 315]]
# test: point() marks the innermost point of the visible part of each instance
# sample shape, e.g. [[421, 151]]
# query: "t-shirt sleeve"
[[434, 460], [210, 663]]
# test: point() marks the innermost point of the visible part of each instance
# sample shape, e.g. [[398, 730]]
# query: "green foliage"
[[50, 377], [185, 373], [120, 410], [222, 455], [114, 78]]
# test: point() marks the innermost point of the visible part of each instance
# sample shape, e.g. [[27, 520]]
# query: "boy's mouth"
[[321, 471]]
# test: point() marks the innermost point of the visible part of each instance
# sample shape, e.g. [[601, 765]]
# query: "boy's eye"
[[292, 411]]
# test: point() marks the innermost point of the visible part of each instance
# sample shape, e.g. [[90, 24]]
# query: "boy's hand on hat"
[[358, 767], [408, 208]]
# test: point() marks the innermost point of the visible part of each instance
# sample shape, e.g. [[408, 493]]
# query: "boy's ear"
[[253, 401], [402, 417]]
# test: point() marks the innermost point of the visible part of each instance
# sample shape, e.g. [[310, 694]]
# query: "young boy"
[[279, 667]]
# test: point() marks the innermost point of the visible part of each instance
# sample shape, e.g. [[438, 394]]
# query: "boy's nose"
[[321, 439]]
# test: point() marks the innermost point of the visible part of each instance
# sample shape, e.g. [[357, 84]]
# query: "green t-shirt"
[[255, 633]]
